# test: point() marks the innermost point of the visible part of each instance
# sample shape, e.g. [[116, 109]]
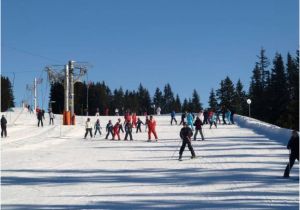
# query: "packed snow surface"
[[240, 166]]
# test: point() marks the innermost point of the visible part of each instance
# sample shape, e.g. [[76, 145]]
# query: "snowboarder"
[[139, 123], [51, 116], [151, 128], [185, 134], [109, 129], [173, 114], [293, 146], [128, 130], [116, 131], [3, 126], [97, 127], [40, 118], [198, 126], [88, 128]]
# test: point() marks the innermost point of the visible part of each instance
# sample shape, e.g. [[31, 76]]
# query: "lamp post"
[[249, 102]]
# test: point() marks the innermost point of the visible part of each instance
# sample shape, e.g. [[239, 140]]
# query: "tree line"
[[99, 97], [7, 96]]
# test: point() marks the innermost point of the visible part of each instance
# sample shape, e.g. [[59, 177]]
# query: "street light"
[[249, 102]]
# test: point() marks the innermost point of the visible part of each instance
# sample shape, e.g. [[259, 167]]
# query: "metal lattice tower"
[[71, 73]]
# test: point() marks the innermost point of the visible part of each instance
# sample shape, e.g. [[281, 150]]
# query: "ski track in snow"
[[55, 168]]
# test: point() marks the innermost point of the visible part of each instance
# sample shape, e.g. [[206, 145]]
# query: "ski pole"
[[175, 150]]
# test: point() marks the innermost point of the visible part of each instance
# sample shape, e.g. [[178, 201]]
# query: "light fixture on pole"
[[249, 102]]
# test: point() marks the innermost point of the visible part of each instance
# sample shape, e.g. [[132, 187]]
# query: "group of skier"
[[130, 122], [40, 114]]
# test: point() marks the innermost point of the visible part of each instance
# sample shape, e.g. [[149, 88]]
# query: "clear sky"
[[191, 44]]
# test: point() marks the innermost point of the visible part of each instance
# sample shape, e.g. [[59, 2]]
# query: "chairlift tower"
[[71, 73]]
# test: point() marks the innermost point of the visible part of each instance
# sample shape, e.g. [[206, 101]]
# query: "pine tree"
[[158, 98], [256, 94], [212, 101], [185, 105], [196, 105], [144, 99], [57, 95], [240, 98], [263, 63], [168, 99], [292, 115], [177, 104], [226, 93], [278, 94], [118, 99], [7, 97]]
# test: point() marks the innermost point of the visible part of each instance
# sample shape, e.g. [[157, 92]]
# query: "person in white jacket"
[[88, 128]]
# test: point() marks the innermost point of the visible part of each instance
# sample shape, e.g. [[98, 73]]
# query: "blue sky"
[[191, 44]]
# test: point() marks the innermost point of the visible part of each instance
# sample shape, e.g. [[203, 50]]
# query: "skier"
[[88, 128], [228, 114], [185, 134], [116, 131], [146, 122], [183, 116], [158, 110], [128, 130], [109, 129], [213, 120], [51, 116], [40, 118], [231, 117], [97, 127], [139, 123], [121, 126], [3, 126], [293, 145], [205, 116], [117, 112], [173, 114], [223, 115], [190, 120], [198, 126], [151, 128], [134, 120]]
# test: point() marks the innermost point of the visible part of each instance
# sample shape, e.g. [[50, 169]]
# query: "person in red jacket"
[[116, 131], [151, 128], [134, 120]]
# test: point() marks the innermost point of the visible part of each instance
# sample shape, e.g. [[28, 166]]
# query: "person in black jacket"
[[40, 117], [138, 125], [293, 145], [185, 134], [109, 129], [198, 126], [183, 116], [3, 126], [128, 130]]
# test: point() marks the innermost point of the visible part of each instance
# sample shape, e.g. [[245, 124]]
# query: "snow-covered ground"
[[55, 168]]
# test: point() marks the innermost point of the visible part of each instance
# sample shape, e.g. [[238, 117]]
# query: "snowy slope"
[[53, 167]]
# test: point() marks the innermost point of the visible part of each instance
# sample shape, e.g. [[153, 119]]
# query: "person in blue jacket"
[[190, 120], [173, 114], [228, 114], [213, 120]]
